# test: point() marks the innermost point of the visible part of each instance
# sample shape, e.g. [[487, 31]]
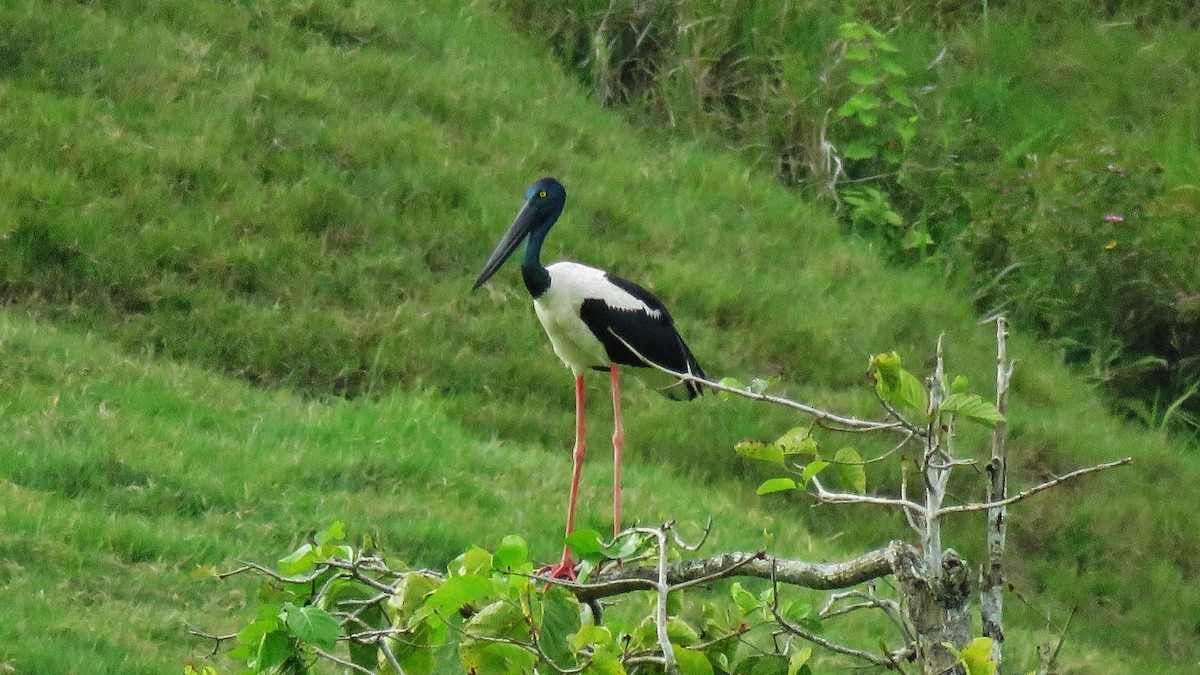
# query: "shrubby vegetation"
[[1043, 153]]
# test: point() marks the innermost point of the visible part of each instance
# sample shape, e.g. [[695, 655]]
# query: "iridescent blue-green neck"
[[537, 278]]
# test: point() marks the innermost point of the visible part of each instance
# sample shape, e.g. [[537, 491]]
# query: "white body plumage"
[[558, 309]]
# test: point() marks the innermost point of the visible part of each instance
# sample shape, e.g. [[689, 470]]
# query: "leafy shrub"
[[1093, 249]]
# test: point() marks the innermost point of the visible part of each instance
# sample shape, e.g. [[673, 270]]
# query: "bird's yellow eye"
[[542, 194]]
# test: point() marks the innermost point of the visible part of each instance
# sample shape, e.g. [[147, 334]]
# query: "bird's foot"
[[565, 569]]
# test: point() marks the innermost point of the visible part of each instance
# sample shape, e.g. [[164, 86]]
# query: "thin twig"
[[831, 497], [817, 413], [217, 639], [340, 661], [964, 508], [818, 640]]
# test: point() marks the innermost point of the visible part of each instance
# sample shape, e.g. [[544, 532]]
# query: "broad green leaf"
[[972, 407], [767, 452], [590, 635], [456, 592], [797, 441], [850, 107], [859, 148], [865, 76], [744, 599], [776, 485], [560, 619], [691, 662], [959, 385], [762, 664], [814, 467], [731, 382], [898, 94], [313, 625], [410, 595], [625, 546], [335, 533], [585, 542], [273, 650], [851, 472], [364, 655], [502, 618], [476, 560], [977, 657], [489, 658], [253, 632], [852, 30], [797, 610], [298, 561], [896, 385], [681, 632], [511, 553], [799, 659]]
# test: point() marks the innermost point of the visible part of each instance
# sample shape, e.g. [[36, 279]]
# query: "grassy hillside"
[[298, 196]]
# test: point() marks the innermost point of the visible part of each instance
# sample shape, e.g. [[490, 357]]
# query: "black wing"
[[653, 336]]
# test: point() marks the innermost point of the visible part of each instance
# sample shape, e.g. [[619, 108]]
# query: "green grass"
[[238, 243]]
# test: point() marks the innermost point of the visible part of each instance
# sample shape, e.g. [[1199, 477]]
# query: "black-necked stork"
[[595, 321]]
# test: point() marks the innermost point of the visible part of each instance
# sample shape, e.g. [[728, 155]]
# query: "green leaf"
[[914, 239], [585, 542], [744, 599], [502, 618], [959, 385], [760, 451], [898, 94], [511, 553], [973, 408], [456, 592], [859, 148], [625, 546], [253, 632], [797, 441], [797, 610], [298, 561], [590, 635], [852, 30], [273, 650], [335, 533], [896, 385], [799, 659], [851, 472], [814, 467], [692, 662], [977, 657], [411, 594], [850, 107], [865, 76], [477, 561], [560, 618], [762, 664], [776, 485], [731, 382], [313, 625]]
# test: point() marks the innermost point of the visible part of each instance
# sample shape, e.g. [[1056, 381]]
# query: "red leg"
[[566, 568], [618, 440]]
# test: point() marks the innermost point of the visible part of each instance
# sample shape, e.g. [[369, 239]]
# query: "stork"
[[594, 321]]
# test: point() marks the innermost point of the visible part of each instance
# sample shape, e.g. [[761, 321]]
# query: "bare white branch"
[[851, 423], [831, 497], [964, 508]]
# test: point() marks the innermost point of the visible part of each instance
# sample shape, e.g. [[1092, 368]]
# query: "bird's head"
[[544, 202]]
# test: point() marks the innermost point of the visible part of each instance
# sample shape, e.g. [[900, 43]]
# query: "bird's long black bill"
[[520, 228]]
